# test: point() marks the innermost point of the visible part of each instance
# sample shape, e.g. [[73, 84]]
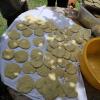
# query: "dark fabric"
[[51, 3], [12, 18], [7, 9], [60, 3], [4, 94]]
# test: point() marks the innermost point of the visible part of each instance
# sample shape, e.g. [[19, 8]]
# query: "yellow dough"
[[37, 63], [12, 70], [49, 60], [58, 52], [53, 43], [36, 54], [8, 54], [27, 32], [21, 26], [62, 62], [67, 55], [43, 71], [59, 37], [70, 46], [24, 43], [24, 84], [71, 69], [38, 32], [13, 44], [70, 89], [14, 35], [21, 56], [28, 68], [38, 41]]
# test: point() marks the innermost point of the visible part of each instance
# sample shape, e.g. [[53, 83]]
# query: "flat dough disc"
[[12, 70], [28, 68], [71, 69], [13, 44], [62, 62], [49, 60], [25, 84], [24, 43], [59, 37], [36, 54], [53, 43], [27, 32], [21, 26], [43, 71], [38, 32], [14, 35], [21, 56], [58, 52], [8, 54], [38, 42], [69, 89], [67, 55], [37, 63]]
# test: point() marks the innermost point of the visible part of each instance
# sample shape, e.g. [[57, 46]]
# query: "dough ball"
[[37, 63], [36, 54], [43, 71], [58, 52], [14, 35], [24, 84], [38, 32], [24, 43], [12, 70], [21, 56], [8, 54], [13, 44], [38, 42], [49, 60], [28, 68], [21, 26], [27, 32]]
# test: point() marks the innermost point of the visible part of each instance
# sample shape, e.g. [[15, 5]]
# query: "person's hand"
[[71, 3]]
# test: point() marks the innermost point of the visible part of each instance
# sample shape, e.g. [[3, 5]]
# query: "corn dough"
[[28, 68], [58, 52], [50, 60], [38, 41], [62, 62], [37, 63], [71, 69], [8, 54], [13, 44], [59, 37], [67, 55], [21, 26], [36, 54], [12, 70], [27, 32], [14, 35], [69, 90], [24, 43], [70, 46], [53, 43], [24, 84], [21, 56], [38, 32], [43, 71]]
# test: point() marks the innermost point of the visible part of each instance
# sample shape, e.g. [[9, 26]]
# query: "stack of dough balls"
[[39, 46]]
